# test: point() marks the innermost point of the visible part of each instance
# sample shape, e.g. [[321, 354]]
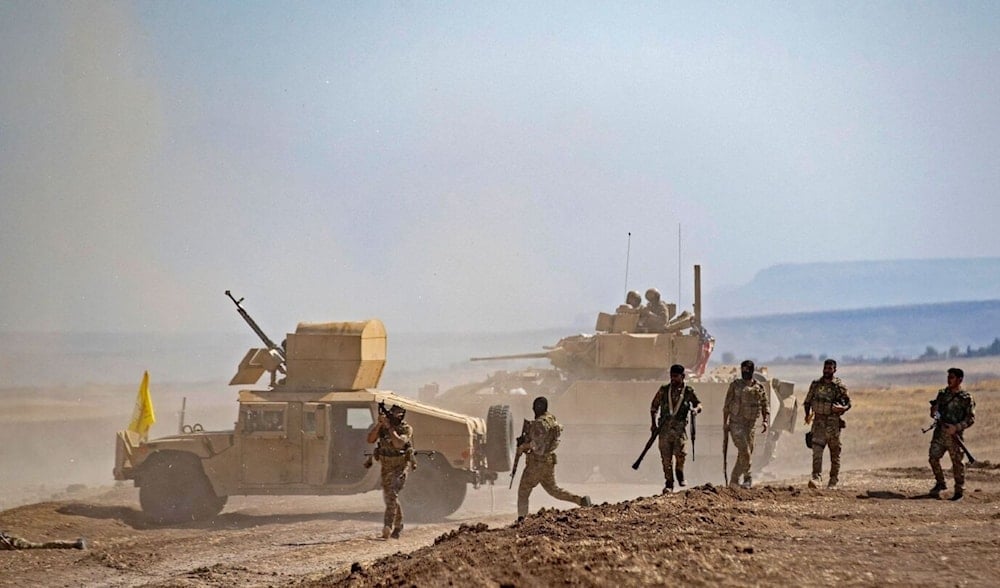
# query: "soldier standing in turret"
[[746, 399], [394, 451], [826, 401], [953, 411], [654, 315], [540, 445], [673, 402]]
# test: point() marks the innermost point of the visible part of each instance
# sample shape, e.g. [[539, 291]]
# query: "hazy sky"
[[451, 166]]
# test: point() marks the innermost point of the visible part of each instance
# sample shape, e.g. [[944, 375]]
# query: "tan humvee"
[[306, 434]]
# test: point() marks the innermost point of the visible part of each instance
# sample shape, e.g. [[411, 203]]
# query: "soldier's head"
[[540, 406], [829, 368], [633, 299], [397, 414], [746, 369], [955, 377], [677, 374], [652, 295]]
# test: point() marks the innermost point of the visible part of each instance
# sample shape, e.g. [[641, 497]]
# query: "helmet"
[[653, 295], [633, 298], [397, 411]]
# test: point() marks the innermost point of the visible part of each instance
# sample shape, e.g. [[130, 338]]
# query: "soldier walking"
[[953, 411], [746, 399], [11, 542], [673, 401], [394, 450], [540, 443], [826, 401]]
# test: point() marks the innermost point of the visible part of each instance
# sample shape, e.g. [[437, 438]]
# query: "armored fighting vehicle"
[[600, 386], [306, 434]]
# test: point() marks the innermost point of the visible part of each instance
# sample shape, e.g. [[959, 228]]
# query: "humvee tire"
[[433, 491], [499, 438], [174, 489]]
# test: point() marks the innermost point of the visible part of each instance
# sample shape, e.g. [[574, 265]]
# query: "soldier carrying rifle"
[[953, 411]]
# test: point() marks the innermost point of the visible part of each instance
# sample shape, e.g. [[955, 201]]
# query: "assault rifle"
[[694, 428], [725, 454], [656, 433], [525, 427], [955, 437], [260, 333]]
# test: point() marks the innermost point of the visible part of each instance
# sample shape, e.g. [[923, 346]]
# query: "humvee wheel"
[[499, 438], [433, 491], [174, 489]]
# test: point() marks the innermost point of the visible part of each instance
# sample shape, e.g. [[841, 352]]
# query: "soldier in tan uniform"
[[654, 315], [11, 542], [540, 445], [826, 401], [673, 402], [394, 450], [632, 302], [746, 399]]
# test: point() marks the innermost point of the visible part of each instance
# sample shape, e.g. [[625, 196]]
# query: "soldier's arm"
[[807, 404], [693, 399], [655, 407], [970, 416], [845, 398], [727, 406]]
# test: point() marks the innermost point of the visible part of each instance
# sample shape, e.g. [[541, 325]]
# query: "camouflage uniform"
[[745, 400], [673, 404], [957, 409], [543, 439], [396, 465], [826, 425], [653, 317], [9, 542]]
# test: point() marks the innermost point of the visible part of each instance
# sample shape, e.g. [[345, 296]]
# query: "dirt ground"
[[878, 528]]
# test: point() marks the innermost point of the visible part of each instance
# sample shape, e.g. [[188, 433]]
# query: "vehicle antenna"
[[628, 252]]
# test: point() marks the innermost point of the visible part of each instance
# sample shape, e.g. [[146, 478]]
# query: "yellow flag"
[[143, 416]]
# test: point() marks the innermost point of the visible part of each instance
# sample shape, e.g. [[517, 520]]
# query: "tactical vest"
[[685, 403], [953, 408], [825, 395]]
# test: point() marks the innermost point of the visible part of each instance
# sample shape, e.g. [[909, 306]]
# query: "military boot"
[[668, 487], [957, 495], [386, 531], [396, 531], [679, 474], [937, 489]]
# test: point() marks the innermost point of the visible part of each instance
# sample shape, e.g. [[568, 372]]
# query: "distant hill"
[[903, 331], [817, 287]]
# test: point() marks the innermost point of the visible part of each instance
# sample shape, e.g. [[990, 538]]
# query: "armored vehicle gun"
[[306, 434], [600, 386]]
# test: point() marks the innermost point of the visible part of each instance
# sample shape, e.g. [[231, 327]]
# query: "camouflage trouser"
[[394, 470], [13, 542], [672, 441], [826, 432], [941, 444], [541, 470], [743, 438]]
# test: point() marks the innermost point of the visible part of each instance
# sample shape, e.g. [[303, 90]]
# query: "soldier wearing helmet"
[[654, 315], [394, 450], [633, 302], [746, 399]]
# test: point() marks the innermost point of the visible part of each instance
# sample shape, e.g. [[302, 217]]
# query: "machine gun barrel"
[[256, 329]]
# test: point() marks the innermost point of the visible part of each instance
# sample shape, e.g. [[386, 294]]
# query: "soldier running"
[[13, 542], [826, 401], [673, 401], [953, 411], [395, 452], [540, 446], [745, 400]]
